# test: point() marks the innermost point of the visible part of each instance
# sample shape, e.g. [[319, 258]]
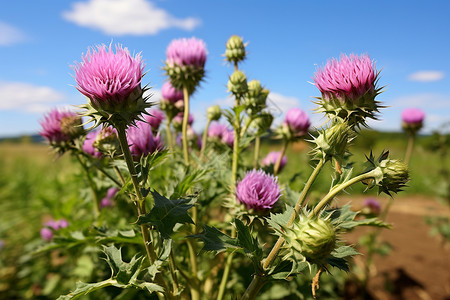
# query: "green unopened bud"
[[393, 175], [72, 127], [333, 141], [311, 239], [235, 51], [237, 84], [107, 141], [256, 97], [263, 122], [213, 113]]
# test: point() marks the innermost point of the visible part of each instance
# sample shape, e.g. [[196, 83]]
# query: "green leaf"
[[215, 240], [86, 288], [123, 272], [344, 218], [339, 255], [247, 241], [166, 213], [278, 221], [151, 287], [188, 182]]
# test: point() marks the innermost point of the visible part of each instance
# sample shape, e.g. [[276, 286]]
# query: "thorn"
[[315, 283]]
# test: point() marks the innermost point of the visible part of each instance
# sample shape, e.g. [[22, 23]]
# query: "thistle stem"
[[256, 151], [204, 138], [409, 148], [140, 206], [335, 190], [276, 167], [91, 186], [185, 125], [254, 288], [169, 135]]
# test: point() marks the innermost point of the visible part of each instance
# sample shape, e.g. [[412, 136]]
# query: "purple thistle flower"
[[112, 81], [155, 118], [112, 192], [107, 201], [297, 121], [46, 234], [258, 190], [272, 158], [52, 126], [62, 223], [142, 141], [57, 224], [372, 205], [186, 52], [216, 130], [88, 145], [170, 93], [177, 121], [228, 137], [413, 116], [348, 79]]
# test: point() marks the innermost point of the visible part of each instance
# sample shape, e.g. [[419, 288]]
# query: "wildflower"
[[46, 234], [177, 122], [297, 122], [333, 141], [154, 118], [112, 83], [255, 99], [237, 84], [185, 63], [348, 88], [216, 130], [235, 49], [88, 145], [107, 141], [258, 190], [170, 93], [107, 200], [213, 113], [272, 158], [60, 127], [142, 141], [371, 206], [412, 119]]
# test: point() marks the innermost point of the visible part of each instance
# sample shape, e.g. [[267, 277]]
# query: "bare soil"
[[418, 267]]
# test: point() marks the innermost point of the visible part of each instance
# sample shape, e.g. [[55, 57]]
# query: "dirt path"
[[418, 266]]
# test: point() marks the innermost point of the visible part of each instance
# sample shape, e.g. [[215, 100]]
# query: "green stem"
[[256, 153], [107, 175], [335, 190], [169, 134], [119, 174], [254, 288], [277, 165], [185, 125], [204, 138], [91, 186], [226, 272], [409, 148], [300, 203], [140, 205], [173, 273], [246, 126]]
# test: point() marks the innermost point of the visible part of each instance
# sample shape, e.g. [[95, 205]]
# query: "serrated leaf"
[[215, 240], [277, 221], [344, 218], [166, 213], [247, 241], [86, 288], [339, 255], [188, 182], [122, 271], [151, 287]]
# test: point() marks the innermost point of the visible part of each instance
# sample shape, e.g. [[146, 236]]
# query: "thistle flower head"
[[412, 120], [185, 63], [333, 141], [221, 133], [112, 83], [142, 141], [46, 234], [170, 93], [60, 127], [392, 175], [88, 144], [297, 122], [348, 88], [371, 206], [258, 190], [237, 84], [263, 122], [107, 201], [235, 49], [310, 239], [214, 113], [177, 121], [272, 158], [154, 118], [107, 141], [255, 99]]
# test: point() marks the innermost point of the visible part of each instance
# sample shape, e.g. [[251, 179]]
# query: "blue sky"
[[288, 40]]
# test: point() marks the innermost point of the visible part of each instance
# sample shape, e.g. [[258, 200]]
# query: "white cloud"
[[423, 101], [28, 97], [426, 76], [10, 35], [121, 17]]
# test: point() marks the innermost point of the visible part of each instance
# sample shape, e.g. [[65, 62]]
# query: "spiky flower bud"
[[213, 113], [235, 49], [88, 144], [263, 122], [185, 63], [107, 141], [412, 120], [392, 176], [310, 239], [348, 88], [256, 97], [296, 124], [333, 141], [112, 83], [237, 84]]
